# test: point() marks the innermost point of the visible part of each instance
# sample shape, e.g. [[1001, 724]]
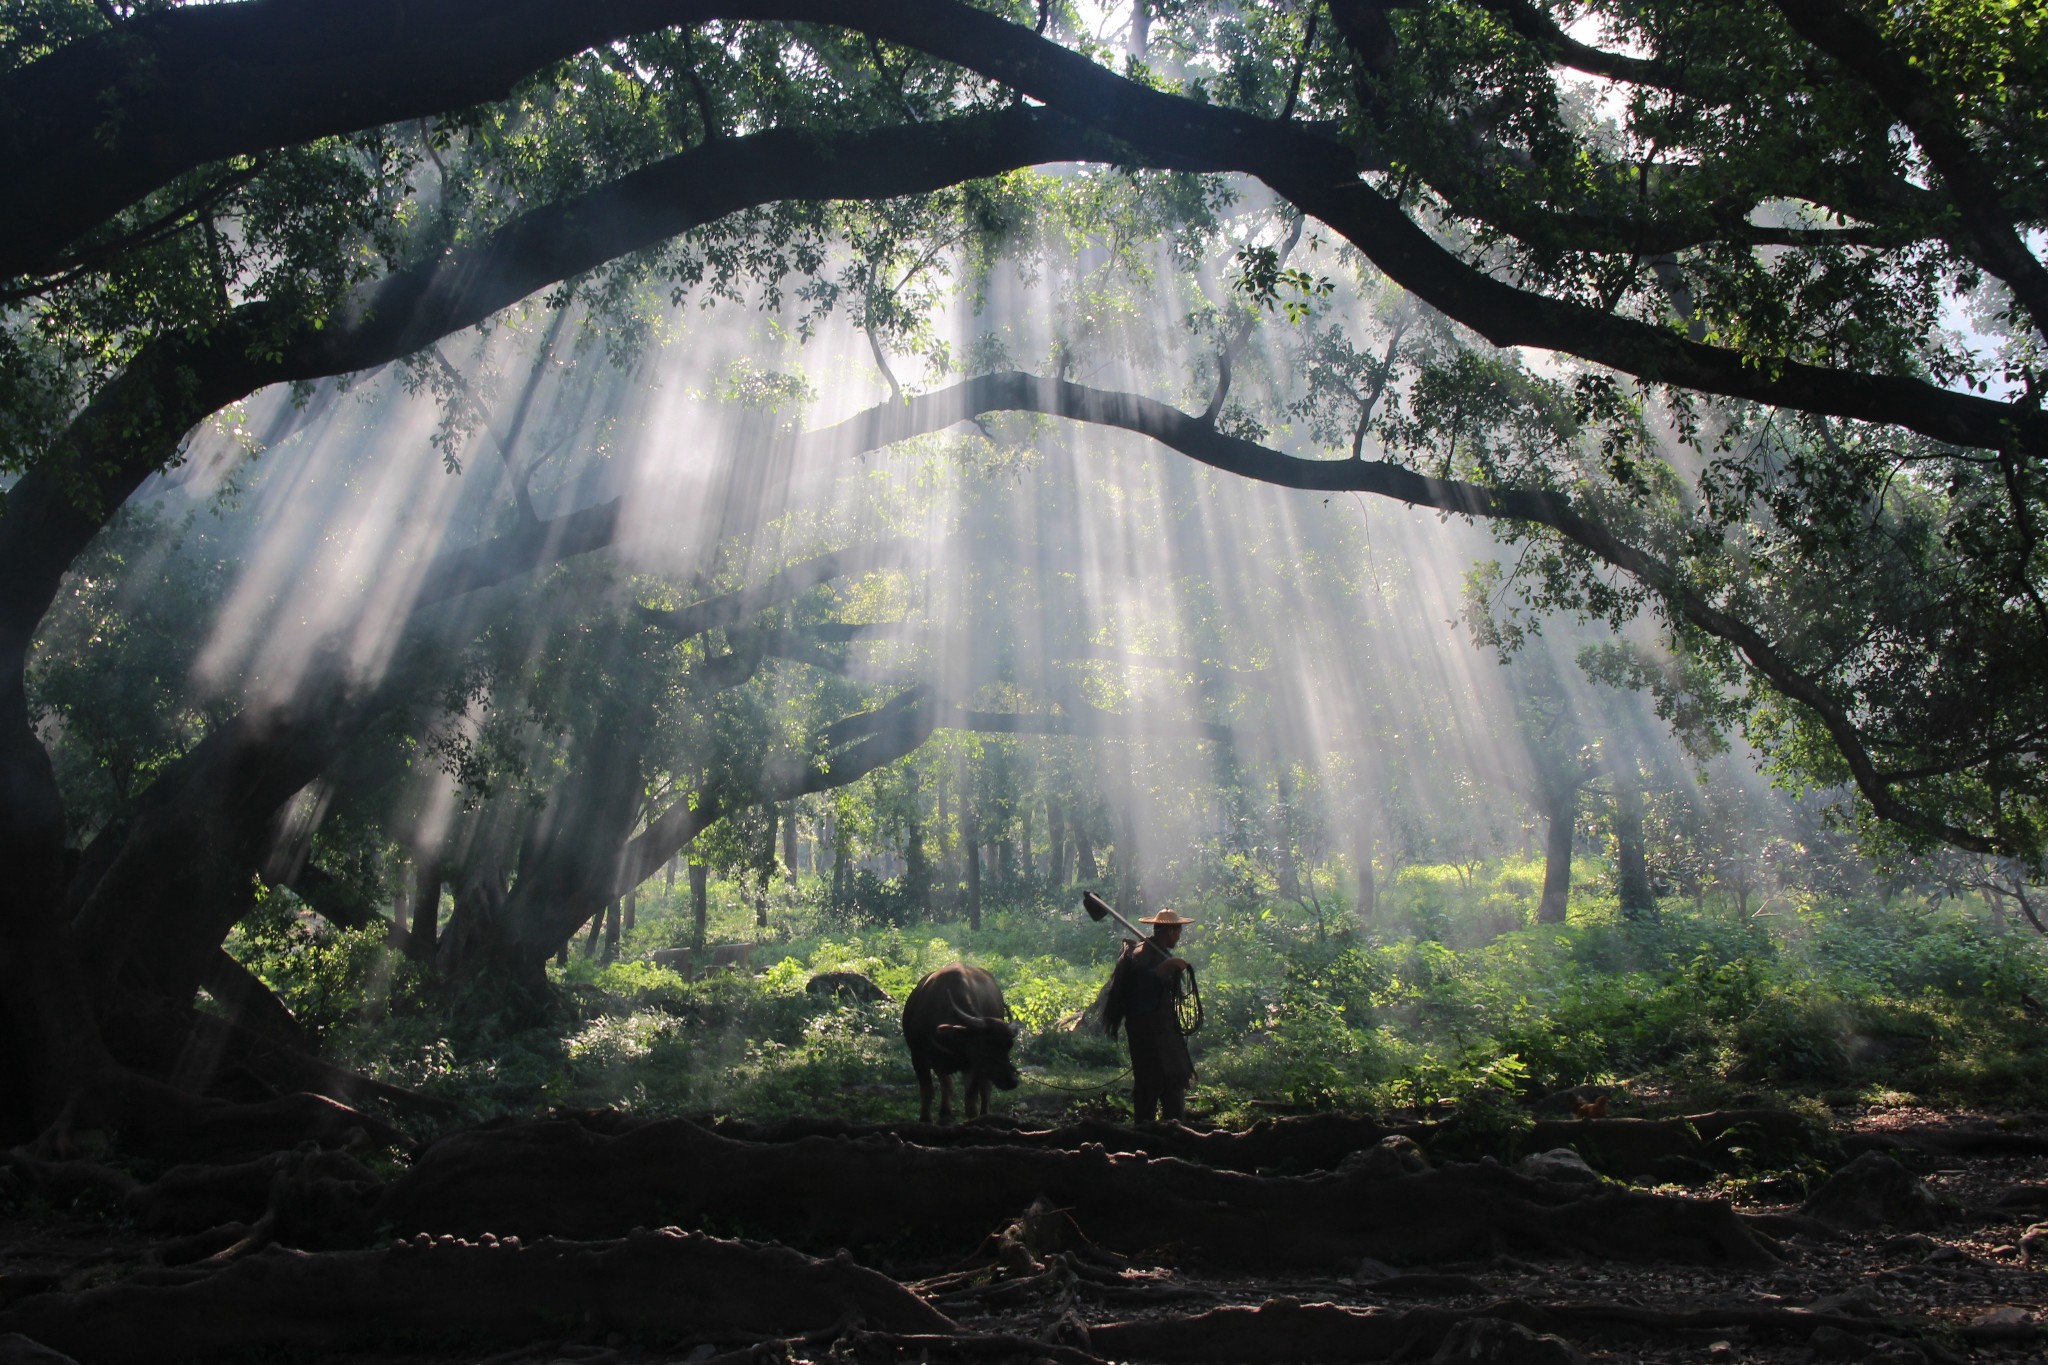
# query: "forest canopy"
[[1727, 318]]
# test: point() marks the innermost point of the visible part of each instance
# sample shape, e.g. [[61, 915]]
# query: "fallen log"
[[561, 1179], [664, 1284]]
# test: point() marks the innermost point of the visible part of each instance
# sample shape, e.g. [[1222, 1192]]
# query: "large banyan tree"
[[1753, 289]]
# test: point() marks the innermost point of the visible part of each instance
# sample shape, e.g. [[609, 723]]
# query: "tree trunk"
[[789, 847], [1557, 859], [700, 903], [632, 907], [1056, 835], [422, 939], [917, 870], [1130, 896], [970, 837], [1632, 873], [611, 930], [1084, 853], [1368, 889], [670, 886], [401, 913]]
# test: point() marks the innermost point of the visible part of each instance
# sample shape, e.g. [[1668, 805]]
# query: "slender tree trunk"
[[789, 847], [401, 912], [1632, 873], [670, 888], [839, 869], [1557, 865], [1056, 835], [945, 825], [1130, 896], [700, 904], [761, 904], [1084, 853], [632, 907], [423, 939], [596, 931], [1368, 889], [1006, 860], [611, 930], [970, 837]]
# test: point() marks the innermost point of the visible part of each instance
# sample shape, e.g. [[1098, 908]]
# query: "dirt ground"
[[1932, 1296]]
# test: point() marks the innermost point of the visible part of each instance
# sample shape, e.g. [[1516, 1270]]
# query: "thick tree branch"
[[1189, 435], [1910, 95], [134, 425], [1533, 22], [848, 750]]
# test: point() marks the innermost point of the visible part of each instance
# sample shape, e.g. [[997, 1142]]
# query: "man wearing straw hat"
[[1141, 997]]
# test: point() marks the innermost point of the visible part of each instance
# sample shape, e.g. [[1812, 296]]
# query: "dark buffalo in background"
[[955, 1020], [847, 986]]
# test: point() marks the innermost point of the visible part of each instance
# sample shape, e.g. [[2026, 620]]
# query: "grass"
[[1451, 996]]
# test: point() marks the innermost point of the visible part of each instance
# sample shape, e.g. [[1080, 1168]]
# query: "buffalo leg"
[[945, 1097], [924, 1094]]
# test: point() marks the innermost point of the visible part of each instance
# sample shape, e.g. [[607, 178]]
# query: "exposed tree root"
[[561, 1179], [157, 1120], [651, 1284], [1284, 1329], [1949, 1141], [1620, 1147], [194, 1198]]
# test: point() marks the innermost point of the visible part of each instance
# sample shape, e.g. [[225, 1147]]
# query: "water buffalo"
[[847, 986], [955, 1020]]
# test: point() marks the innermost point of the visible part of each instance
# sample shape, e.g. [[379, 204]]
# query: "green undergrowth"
[[1450, 999]]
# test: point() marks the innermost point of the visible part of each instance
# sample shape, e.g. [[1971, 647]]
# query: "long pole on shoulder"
[[1099, 909]]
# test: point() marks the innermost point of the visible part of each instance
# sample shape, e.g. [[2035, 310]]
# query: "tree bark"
[[1368, 889], [422, 939], [970, 838], [1056, 835], [560, 1179], [788, 817], [700, 903], [1632, 872], [1557, 857], [663, 1284]]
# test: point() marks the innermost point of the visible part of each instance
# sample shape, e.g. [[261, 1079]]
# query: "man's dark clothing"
[[1142, 1002]]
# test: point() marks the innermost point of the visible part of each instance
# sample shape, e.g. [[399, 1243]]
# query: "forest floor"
[[1956, 1290]]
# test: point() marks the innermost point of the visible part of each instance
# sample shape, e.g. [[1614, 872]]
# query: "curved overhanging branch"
[[1319, 175], [1322, 178], [134, 425], [1189, 435], [1910, 96]]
